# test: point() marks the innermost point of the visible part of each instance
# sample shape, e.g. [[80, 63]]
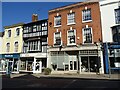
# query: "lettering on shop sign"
[[8, 55]]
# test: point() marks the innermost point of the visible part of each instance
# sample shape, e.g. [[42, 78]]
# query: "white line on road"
[[69, 84]]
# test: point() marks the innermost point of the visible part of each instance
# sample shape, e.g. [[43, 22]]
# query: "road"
[[30, 81]]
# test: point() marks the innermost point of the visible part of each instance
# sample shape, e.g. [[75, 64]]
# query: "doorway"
[[72, 63]]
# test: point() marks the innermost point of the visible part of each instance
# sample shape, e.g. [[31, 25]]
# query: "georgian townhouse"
[[34, 55], [74, 37], [12, 47], [110, 20]]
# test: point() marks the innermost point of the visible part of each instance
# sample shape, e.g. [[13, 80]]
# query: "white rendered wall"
[[108, 18], [1, 41]]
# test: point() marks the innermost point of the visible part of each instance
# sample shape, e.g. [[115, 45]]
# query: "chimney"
[[34, 17]]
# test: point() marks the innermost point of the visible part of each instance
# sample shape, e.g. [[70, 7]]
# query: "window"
[[57, 38], [25, 30], [57, 21], [87, 35], [34, 46], [44, 26], [71, 18], [116, 34], [17, 31], [71, 37], [86, 15], [9, 33], [117, 16], [8, 47], [16, 46], [34, 28]]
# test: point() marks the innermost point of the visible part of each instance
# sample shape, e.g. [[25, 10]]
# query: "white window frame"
[[83, 35], [8, 33], [72, 18], [16, 32], [68, 44], [55, 21], [83, 21], [55, 40], [7, 49], [16, 50]]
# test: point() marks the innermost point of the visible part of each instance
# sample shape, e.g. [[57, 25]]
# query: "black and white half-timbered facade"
[[34, 56]]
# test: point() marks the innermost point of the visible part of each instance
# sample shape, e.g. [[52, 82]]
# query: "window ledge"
[[86, 21], [71, 23], [58, 26], [71, 44]]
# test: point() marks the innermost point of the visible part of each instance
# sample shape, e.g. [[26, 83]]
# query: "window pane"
[[87, 35], [57, 20], [86, 15]]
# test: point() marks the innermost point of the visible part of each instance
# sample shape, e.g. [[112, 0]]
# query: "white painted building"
[[108, 19], [1, 41]]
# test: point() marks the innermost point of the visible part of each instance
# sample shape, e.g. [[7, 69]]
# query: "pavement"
[[87, 76]]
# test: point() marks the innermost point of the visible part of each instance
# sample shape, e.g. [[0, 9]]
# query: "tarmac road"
[[30, 81]]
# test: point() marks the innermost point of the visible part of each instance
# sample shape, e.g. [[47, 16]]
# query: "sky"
[[16, 12]]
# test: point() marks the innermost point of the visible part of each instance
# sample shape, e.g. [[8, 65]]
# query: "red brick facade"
[[77, 8]]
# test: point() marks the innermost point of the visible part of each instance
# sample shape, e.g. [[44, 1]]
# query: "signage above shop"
[[11, 55]]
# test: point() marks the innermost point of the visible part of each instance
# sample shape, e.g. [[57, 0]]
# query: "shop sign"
[[11, 56]]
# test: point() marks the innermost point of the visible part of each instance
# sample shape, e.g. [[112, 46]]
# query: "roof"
[[72, 5], [36, 21], [14, 25]]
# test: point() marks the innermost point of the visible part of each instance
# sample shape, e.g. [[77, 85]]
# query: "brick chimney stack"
[[34, 17]]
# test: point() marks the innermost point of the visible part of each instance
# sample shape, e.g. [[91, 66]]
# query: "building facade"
[[34, 55], [74, 36], [110, 20], [12, 47], [1, 42]]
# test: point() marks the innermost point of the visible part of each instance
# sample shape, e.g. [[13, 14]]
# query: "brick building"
[[74, 36]]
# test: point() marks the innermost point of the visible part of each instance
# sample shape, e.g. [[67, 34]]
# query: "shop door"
[[73, 63], [10, 66], [38, 66]]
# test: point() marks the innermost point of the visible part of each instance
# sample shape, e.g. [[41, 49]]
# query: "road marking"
[[69, 84]]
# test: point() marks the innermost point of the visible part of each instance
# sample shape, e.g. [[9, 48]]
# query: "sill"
[[58, 26], [86, 21], [71, 23], [71, 44]]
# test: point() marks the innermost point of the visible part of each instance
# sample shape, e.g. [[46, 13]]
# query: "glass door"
[[73, 63]]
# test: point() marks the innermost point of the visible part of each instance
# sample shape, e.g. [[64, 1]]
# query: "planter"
[[117, 64]]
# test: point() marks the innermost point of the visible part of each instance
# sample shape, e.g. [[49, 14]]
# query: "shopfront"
[[77, 61], [32, 63], [10, 62]]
